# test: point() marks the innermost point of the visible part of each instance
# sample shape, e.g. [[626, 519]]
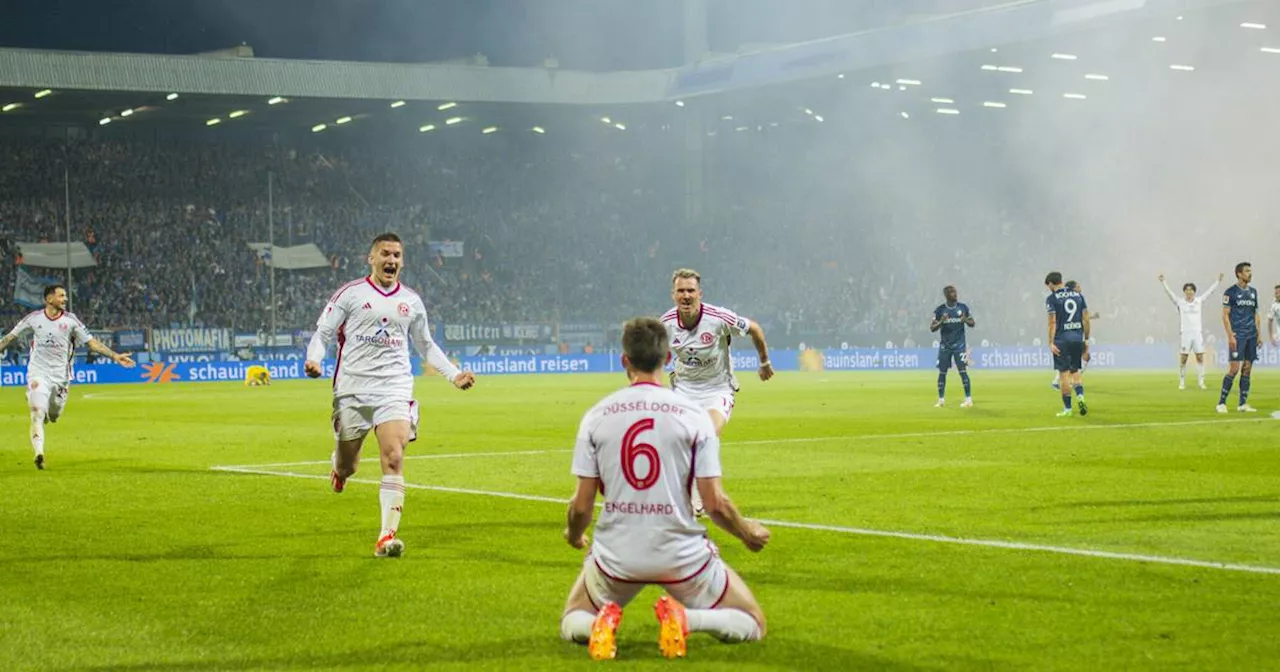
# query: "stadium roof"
[[1060, 52]]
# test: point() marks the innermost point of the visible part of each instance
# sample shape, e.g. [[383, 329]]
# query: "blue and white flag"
[[28, 288]]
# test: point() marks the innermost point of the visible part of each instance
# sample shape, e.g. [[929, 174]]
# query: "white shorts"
[[705, 589], [355, 416], [718, 400], [1192, 343], [48, 398]]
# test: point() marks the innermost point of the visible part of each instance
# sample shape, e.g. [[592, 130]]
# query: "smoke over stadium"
[[210, 184]]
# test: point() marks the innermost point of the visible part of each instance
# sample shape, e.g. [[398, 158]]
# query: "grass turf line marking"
[[806, 439], [911, 536]]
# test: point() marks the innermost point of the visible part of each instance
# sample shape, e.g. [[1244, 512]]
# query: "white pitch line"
[[804, 439], [1000, 430], [911, 536], [445, 456], [415, 486]]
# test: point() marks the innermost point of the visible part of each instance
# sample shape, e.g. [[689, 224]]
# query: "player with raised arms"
[[950, 319], [1069, 326], [374, 319], [700, 334], [1191, 326], [1242, 320], [55, 334], [645, 449]]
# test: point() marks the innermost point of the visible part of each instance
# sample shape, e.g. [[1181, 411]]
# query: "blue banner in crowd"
[[212, 367], [28, 288]]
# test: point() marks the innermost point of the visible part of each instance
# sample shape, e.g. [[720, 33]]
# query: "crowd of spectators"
[[812, 243]]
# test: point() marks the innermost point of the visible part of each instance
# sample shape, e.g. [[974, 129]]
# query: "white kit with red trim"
[[53, 343], [373, 327], [701, 350], [646, 444]]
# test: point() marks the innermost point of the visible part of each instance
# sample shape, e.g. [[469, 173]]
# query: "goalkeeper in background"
[[257, 375]]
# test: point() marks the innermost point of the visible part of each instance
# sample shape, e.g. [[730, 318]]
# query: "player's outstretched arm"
[[326, 328], [1167, 290], [20, 331], [427, 349], [722, 511], [756, 332], [122, 359], [1214, 286], [581, 508]]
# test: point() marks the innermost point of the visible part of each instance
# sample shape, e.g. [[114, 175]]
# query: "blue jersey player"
[[950, 319], [1243, 323], [1069, 326]]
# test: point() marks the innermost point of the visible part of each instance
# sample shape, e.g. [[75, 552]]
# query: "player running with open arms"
[[1190, 308], [374, 319], [1242, 320], [950, 319], [1069, 326], [54, 334], [700, 334], [645, 449]]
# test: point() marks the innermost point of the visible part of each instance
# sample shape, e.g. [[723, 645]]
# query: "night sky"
[[582, 34]]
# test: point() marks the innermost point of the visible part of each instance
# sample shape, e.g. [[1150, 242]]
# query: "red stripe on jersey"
[[349, 285], [693, 464], [692, 576], [342, 340], [720, 314], [379, 290]]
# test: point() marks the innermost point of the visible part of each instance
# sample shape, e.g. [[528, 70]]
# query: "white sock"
[[37, 432], [1182, 373], [697, 499], [727, 625], [576, 626], [391, 494], [1200, 371]]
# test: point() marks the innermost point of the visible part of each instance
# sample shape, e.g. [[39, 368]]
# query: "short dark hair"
[[948, 288], [50, 290], [1072, 284], [644, 342], [387, 238], [1190, 285], [1054, 278], [1241, 266]]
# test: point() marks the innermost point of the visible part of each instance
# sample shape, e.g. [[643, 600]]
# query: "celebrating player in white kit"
[[373, 319], [700, 334], [54, 334], [1191, 309], [1273, 322], [645, 449]]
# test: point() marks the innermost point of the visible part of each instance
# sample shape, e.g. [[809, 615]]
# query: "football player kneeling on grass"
[[643, 446]]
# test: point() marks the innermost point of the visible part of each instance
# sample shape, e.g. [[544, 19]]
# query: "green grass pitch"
[[130, 553]]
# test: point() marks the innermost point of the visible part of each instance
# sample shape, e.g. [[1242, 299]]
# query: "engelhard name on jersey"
[[640, 508]]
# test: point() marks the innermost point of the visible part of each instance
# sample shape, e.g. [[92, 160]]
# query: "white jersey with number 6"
[[646, 444]]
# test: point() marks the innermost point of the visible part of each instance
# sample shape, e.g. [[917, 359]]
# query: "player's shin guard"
[[1200, 372], [964, 378], [1227, 381], [1066, 401], [1079, 391], [1244, 389], [576, 626], [391, 495], [727, 625], [942, 385], [1182, 373], [37, 431]]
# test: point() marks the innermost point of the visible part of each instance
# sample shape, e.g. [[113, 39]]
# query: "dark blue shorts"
[[947, 355], [1246, 350], [1070, 356]]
